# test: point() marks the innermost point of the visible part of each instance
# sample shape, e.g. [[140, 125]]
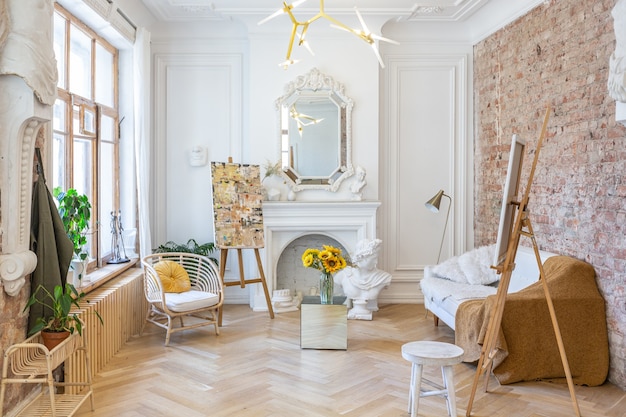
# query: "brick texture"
[[13, 323], [558, 54]]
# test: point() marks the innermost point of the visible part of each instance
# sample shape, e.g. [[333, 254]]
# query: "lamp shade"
[[434, 203]]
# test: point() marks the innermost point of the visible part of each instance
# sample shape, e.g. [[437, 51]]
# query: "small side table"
[[432, 353], [323, 326]]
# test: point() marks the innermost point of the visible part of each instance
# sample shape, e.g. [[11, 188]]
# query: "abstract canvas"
[[237, 205]]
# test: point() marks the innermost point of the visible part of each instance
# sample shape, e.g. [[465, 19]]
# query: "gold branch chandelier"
[[299, 30]]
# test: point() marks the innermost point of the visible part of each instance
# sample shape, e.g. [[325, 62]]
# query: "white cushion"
[[476, 264], [448, 269], [472, 267], [190, 300]]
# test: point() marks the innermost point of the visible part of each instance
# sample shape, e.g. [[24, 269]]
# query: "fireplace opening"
[[292, 275]]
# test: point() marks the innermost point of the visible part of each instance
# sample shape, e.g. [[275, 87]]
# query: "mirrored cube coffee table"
[[323, 326]]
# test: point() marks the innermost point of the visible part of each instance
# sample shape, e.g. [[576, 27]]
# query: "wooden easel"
[[522, 227], [242, 280]]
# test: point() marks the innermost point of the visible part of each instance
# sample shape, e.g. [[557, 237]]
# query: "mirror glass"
[[315, 132]]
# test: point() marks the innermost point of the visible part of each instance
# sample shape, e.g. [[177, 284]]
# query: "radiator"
[[122, 305]]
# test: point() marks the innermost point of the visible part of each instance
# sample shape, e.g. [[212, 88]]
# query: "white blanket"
[[437, 290]]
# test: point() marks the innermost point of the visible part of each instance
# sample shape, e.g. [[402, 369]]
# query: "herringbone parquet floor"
[[255, 367]]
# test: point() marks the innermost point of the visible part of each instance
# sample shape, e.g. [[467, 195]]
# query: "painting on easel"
[[237, 205], [511, 187]]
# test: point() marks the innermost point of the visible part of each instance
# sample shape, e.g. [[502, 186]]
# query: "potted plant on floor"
[[190, 247], [75, 212], [57, 322]]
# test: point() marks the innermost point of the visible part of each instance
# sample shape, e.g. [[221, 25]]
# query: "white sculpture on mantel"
[[363, 282], [357, 186]]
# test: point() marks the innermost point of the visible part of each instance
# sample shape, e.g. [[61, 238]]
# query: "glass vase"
[[326, 288]]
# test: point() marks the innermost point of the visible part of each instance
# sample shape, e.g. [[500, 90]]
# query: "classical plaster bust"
[[363, 282]]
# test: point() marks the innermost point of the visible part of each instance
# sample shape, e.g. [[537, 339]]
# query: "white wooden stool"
[[432, 353]]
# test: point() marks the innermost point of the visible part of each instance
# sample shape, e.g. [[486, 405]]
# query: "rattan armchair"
[[200, 304]]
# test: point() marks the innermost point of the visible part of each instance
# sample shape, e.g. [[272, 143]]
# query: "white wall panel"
[[425, 146], [197, 110], [198, 103]]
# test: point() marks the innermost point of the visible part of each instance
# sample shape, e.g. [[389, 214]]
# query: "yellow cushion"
[[174, 277]]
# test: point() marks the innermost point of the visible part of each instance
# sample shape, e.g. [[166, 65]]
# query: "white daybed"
[[470, 276]]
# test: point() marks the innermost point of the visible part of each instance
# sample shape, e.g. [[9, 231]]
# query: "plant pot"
[[80, 271], [52, 339]]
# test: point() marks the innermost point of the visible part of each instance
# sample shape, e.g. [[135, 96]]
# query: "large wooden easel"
[[238, 225], [521, 227], [242, 280]]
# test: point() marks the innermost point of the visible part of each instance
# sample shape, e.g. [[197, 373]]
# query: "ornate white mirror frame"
[[315, 132]]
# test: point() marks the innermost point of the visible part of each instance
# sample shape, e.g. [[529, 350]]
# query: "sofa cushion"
[[190, 300], [476, 264], [472, 267], [173, 276]]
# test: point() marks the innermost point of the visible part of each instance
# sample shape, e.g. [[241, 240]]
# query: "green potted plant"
[[190, 247], [57, 322], [75, 212]]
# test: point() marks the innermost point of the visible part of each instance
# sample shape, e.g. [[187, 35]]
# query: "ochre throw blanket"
[[527, 345]]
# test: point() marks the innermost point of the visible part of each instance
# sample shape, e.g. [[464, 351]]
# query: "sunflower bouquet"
[[327, 260]]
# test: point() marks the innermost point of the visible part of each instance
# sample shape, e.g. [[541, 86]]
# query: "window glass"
[[59, 47], [80, 62], [107, 129], [82, 165], [85, 142], [59, 140], [107, 194], [104, 76], [59, 116], [58, 156]]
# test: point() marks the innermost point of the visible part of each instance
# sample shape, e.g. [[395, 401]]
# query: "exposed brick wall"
[[13, 330], [558, 54]]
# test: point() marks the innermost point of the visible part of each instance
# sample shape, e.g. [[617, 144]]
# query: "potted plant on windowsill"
[[75, 212], [58, 322]]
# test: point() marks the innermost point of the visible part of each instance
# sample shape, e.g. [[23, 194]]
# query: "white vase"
[[273, 194], [79, 270], [70, 277], [291, 195]]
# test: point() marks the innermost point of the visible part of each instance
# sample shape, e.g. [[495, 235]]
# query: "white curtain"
[[141, 76]]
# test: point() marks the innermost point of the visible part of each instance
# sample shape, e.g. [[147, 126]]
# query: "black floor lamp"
[[433, 205]]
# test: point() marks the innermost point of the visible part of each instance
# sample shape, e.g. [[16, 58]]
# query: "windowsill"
[[102, 275]]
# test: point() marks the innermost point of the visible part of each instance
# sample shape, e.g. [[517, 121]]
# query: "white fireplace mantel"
[[284, 221]]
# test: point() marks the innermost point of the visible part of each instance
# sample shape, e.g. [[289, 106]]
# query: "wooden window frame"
[[86, 105]]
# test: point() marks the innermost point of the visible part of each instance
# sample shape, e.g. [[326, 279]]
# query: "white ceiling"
[[410, 10]]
